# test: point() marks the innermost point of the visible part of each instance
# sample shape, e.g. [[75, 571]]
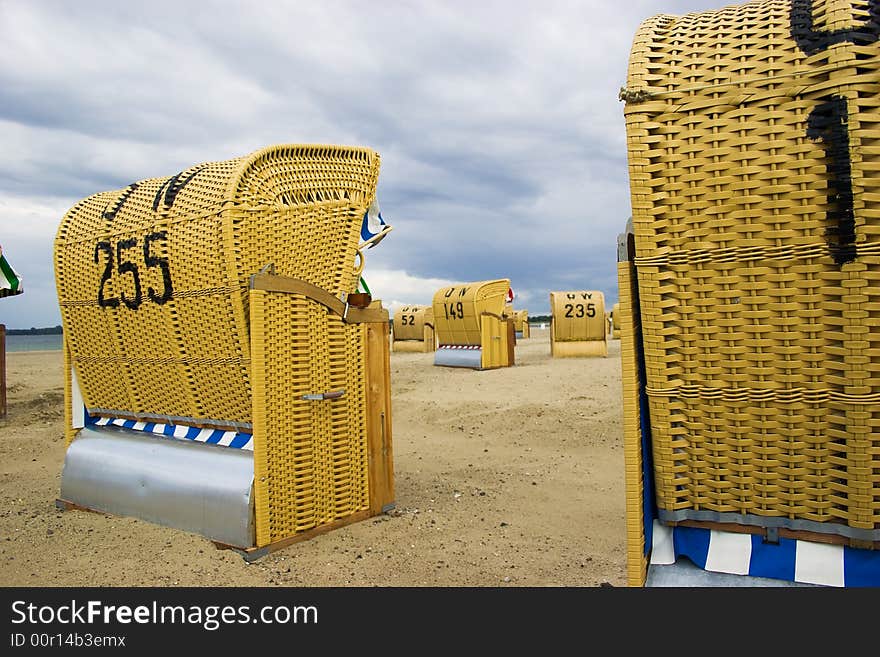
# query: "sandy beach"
[[508, 477]]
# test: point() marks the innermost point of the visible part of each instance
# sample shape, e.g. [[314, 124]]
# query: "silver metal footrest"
[[471, 357], [196, 487]]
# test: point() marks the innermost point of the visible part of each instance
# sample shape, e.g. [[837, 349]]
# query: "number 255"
[[127, 267]]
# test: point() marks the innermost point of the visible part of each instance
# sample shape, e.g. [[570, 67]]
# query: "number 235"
[[577, 310]]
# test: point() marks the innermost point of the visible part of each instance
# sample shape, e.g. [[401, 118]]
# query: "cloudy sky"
[[501, 137]]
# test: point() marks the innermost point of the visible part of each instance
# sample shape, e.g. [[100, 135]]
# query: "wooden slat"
[[796, 534], [252, 554], [511, 341], [379, 446], [2, 370]]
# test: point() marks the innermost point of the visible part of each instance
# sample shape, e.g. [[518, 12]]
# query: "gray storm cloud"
[[502, 140]]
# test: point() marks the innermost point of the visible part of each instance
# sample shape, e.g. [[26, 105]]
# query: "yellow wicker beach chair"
[[472, 330], [748, 284], [413, 329], [577, 324], [225, 376]]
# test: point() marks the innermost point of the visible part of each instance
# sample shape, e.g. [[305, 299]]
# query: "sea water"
[[33, 342]]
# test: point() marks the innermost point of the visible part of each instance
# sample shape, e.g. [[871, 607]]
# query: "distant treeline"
[[539, 318], [51, 330]]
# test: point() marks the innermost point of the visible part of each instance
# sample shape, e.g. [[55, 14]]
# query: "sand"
[[504, 478]]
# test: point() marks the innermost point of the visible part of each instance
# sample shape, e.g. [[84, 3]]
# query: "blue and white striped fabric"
[[747, 554], [234, 439], [373, 225]]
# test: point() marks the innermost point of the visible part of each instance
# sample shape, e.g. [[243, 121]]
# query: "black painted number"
[[812, 41], [161, 263], [408, 319], [124, 266], [107, 248], [827, 122], [454, 310], [573, 310]]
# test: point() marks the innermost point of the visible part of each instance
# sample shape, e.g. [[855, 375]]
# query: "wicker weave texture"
[[310, 456], [754, 149], [457, 310], [152, 279]]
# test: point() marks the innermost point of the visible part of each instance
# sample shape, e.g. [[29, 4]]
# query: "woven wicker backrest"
[[521, 318], [753, 135], [578, 315], [152, 279], [409, 322], [615, 316], [310, 458], [457, 309]]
